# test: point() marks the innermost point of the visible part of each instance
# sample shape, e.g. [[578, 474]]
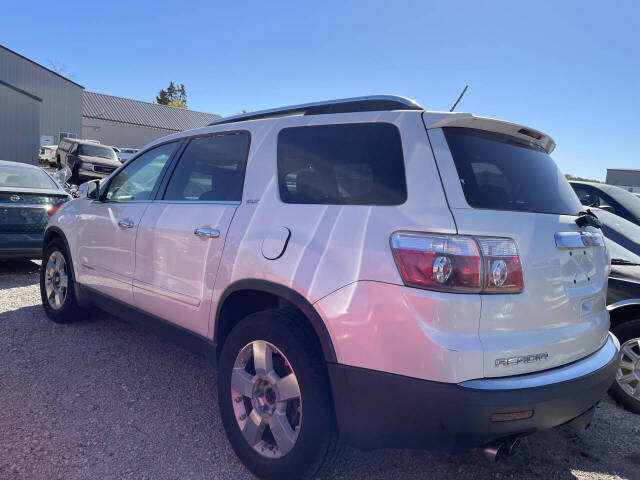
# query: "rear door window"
[[211, 169], [500, 172], [345, 164]]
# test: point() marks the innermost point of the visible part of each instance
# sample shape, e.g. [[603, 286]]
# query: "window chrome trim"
[[607, 354]]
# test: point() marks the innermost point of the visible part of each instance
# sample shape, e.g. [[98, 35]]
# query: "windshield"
[[627, 199], [619, 224], [500, 172], [95, 151], [24, 177]]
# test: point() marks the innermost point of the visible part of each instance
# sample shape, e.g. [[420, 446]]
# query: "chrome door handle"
[[207, 232], [126, 223]]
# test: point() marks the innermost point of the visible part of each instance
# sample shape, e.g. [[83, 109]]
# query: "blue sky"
[[569, 68]]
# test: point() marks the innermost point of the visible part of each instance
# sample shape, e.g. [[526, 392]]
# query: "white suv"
[[360, 270]]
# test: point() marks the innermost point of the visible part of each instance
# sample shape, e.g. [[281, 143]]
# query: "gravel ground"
[[105, 399]]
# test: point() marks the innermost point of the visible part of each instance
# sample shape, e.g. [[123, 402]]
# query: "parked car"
[[28, 197], [619, 230], [609, 197], [47, 155], [360, 270], [623, 300], [126, 154], [86, 159]]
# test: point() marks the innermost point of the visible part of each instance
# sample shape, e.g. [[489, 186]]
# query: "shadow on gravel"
[[18, 273], [104, 398]]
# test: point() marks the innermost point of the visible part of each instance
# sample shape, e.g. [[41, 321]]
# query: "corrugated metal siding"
[[625, 178], [125, 110], [61, 108], [118, 134], [19, 126]]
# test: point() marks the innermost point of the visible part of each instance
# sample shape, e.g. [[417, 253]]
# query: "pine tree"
[[162, 98], [174, 96], [182, 95]]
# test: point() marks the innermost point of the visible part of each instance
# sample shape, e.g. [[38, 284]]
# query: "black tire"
[[317, 443], [75, 176], [58, 163], [70, 311], [626, 331]]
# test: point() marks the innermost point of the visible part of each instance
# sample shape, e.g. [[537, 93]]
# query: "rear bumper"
[[21, 245], [376, 409]]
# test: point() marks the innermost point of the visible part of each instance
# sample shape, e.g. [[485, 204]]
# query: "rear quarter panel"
[[330, 245]]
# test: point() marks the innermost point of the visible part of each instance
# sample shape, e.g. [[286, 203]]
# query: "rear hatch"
[[501, 182], [26, 210]]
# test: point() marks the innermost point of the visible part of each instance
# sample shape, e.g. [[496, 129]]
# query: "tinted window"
[[24, 177], [347, 164], [211, 168], [585, 196], [137, 180], [500, 172]]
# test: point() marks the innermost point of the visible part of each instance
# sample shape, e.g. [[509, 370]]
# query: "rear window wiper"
[[588, 219]]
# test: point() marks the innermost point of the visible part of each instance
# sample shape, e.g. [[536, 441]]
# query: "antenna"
[[459, 98]]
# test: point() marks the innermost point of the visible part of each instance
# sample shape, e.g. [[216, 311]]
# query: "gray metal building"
[[627, 178], [123, 122], [37, 107]]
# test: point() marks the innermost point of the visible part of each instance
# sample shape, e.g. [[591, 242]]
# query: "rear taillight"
[[453, 263], [54, 208], [502, 267]]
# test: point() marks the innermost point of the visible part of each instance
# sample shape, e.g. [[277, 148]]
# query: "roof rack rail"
[[370, 103]]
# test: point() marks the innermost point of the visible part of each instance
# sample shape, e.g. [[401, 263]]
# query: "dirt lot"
[[105, 399]]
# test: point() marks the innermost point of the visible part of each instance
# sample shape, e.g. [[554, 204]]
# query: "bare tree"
[[60, 68]]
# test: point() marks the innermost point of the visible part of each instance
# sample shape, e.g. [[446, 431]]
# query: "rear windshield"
[[24, 177], [500, 172], [95, 151]]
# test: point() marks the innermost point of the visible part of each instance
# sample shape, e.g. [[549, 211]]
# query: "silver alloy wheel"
[[628, 375], [266, 399], [56, 280]]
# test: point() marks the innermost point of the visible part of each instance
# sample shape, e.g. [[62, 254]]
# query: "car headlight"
[[87, 165]]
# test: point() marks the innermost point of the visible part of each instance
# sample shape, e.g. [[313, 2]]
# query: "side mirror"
[[93, 190]]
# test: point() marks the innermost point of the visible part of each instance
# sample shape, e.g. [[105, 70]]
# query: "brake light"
[[453, 263], [54, 208], [438, 262]]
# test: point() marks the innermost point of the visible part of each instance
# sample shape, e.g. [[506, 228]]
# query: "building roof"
[[41, 66], [137, 112]]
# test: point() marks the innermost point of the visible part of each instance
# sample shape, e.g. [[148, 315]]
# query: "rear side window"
[[346, 164], [500, 172], [211, 169]]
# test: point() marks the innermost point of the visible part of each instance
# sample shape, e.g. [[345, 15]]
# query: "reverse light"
[[453, 263]]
